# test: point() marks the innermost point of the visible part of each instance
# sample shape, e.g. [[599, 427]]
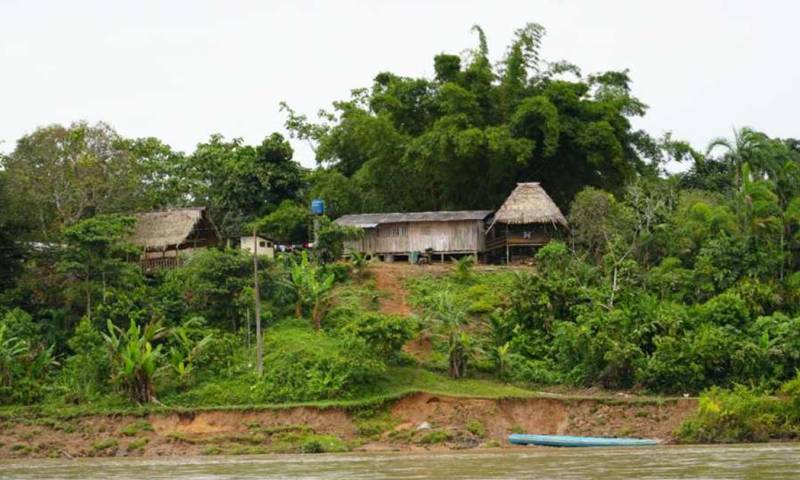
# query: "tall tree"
[[747, 146], [464, 138], [11, 231], [241, 182], [61, 175]]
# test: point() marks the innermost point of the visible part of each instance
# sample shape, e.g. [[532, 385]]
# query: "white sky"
[[182, 70]]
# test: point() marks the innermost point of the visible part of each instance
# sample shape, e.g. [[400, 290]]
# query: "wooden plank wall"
[[400, 238]]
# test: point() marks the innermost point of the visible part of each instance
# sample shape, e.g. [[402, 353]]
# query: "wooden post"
[[508, 254], [257, 308]]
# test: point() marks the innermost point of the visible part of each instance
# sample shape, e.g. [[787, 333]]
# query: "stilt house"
[[164, 234], [527, 219]]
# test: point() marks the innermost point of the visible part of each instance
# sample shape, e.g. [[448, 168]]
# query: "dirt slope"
[[454, 423]]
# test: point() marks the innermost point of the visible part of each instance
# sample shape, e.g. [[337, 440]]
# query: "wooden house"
[[527, 219], [389, 235], [162, 235]]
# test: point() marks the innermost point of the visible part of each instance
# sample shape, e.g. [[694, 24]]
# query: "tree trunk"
[[257, 308], [316, 316]]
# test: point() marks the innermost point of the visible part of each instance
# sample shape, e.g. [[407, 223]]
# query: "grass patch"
[[138, 444], [105, 445], [135, 428], [476, 428], [307, 443], [21, 448], [434, 438]]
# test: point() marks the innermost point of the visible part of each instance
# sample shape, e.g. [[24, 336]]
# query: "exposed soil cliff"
[[419, 421]]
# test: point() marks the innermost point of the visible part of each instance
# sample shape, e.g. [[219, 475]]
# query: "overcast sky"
[[182, 70]]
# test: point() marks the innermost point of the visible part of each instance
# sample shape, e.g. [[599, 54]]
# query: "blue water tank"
[[317, 207]]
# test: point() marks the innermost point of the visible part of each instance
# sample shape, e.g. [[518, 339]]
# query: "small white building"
[[266, 247]]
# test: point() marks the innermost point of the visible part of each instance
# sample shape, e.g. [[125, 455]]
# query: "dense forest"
[[667, 282]]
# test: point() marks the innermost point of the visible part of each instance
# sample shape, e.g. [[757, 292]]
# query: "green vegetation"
[[105, 445], [666, 283], [745, 415], [135, 428]]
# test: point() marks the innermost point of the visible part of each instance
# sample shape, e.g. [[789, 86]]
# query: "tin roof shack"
[[162, 235], [527, 219], [389, 235]]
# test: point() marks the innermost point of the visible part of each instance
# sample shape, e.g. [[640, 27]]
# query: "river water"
[[764, 461]]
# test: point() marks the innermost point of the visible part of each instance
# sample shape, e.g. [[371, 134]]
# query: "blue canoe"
[[571, 441]]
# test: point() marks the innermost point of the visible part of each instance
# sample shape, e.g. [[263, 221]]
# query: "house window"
[[526, 235], [262, 243]]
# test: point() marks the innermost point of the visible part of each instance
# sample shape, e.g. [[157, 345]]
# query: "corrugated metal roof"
[[371, 220]]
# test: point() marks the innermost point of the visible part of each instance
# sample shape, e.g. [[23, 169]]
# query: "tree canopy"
[[464, 138]]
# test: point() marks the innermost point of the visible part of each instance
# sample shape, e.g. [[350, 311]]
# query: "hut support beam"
[[508, 251]]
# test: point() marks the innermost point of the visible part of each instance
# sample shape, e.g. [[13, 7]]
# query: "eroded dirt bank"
[[419, 421]]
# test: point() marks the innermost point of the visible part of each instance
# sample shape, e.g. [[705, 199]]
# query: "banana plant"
[[183, 352], [360, 263], [11, 351], [134, 360], [312, 289]]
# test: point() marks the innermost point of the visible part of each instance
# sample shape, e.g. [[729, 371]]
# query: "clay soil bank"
[[416, 422]]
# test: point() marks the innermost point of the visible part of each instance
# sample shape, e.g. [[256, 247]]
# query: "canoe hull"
[[574, 441]]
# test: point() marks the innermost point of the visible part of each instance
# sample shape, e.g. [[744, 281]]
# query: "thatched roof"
[[528, 204], [371, 220], [172, 228]]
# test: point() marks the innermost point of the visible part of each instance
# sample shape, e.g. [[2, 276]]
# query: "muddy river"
[[773, 461]]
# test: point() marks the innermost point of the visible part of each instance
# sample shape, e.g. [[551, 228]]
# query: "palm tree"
[[451, 318], [747, 146]]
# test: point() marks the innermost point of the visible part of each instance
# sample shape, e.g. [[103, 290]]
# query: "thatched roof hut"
[[529, 204], [176, 229]]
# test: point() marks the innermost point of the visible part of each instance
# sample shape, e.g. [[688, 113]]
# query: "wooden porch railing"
[[156, 264]]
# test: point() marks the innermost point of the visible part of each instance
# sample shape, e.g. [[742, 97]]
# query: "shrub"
[[476, 428], [738, 415], [25, 361], [435, 437], [86, 373], [725, 309], [384, 334], [302, 365]]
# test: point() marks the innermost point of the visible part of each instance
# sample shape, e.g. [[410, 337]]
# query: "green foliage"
[[311, 287], [287, 223], [134, 360], [213, 284], [61, 175], [25, 361], [97, 255], [435, 437], [87, 372], [463, 269], [182, 354], [241, 183], [331, 238], [382, 333], [360, 263], [462, 139], [449, 318], [741, 415], [476, 428], [301, 365]]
